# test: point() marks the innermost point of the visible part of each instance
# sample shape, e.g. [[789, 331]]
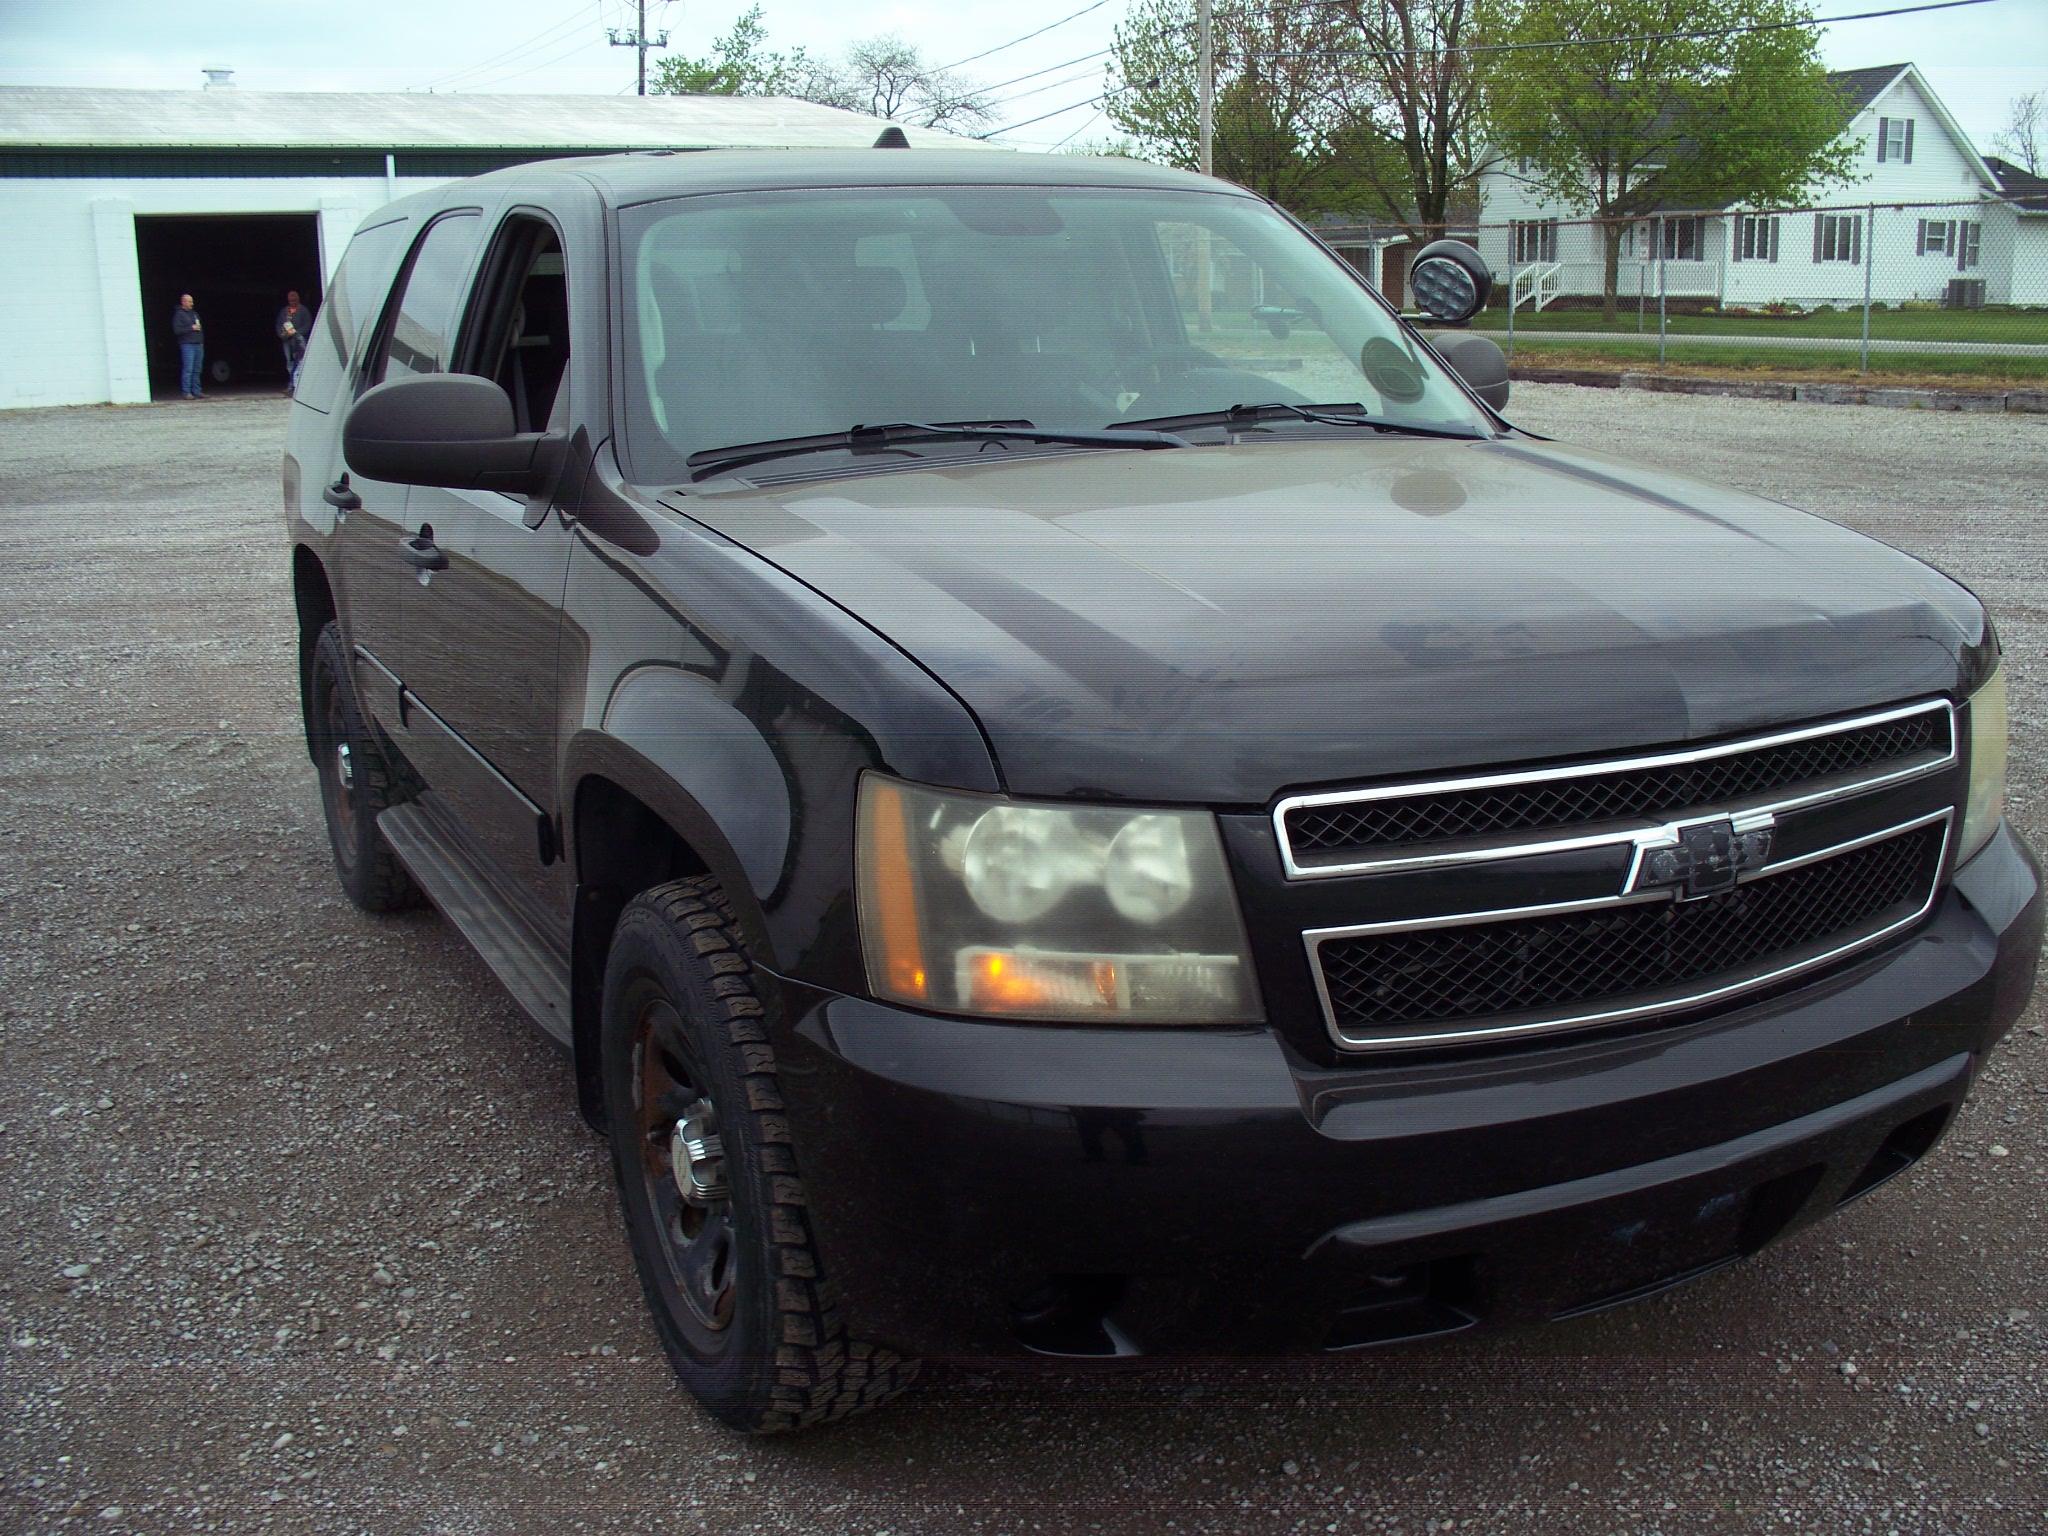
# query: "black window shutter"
[[1774, 239], [1818, 220], [1884, 127], [1856, 238], [1908, 155], [1920, 240]]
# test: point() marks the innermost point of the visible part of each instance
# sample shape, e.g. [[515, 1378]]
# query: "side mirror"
[[451, 429], [1450, 281], [1477, 360]]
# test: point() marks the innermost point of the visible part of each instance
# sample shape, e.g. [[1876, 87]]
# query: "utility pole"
[[638, 40], [1207, 95]]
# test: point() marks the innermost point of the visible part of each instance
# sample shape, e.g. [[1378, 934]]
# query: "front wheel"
[[708, 1184], [356, 783]]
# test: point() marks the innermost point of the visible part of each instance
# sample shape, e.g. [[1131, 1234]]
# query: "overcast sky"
[[1977, 59]]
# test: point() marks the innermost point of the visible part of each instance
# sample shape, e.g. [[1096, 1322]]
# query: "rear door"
[[482, 626], [373, 529]]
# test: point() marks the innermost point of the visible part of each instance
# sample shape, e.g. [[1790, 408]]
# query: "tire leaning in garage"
[[708, 1183], [355, 783]]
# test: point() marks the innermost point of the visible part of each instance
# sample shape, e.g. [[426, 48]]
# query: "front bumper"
[[988, 1187]]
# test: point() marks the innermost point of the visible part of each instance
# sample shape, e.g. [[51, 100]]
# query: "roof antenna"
[[892, 137]]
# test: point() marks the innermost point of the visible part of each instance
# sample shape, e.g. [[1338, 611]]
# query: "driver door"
[[483, 617]]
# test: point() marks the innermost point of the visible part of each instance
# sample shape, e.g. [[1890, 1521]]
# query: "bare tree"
[[2024, 139], [887, 77]]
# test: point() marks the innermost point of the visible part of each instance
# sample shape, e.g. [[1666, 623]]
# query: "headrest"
[[876, 295]]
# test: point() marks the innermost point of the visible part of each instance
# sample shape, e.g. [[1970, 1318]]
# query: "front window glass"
[[763, 316], [421, 330]]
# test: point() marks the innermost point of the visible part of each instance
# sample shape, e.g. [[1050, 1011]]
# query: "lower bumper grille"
[[1506, 974]]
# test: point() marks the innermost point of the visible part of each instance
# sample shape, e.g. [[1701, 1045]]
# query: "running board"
[[532, 970]]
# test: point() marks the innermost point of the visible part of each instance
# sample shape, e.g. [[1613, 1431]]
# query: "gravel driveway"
[[308, 1235]]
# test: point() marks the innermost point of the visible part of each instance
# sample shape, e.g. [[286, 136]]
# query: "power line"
[[1092, 101], [979, 91], [1086, 122], [574, 48], [1632, 37], [1039, 90], [546, 37], [1013, 42]]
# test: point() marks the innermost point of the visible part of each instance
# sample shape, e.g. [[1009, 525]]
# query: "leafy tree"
[[883, 76], [1415, 140], [1633, 120], [2024, 139], [1280, 107], [740, 64]]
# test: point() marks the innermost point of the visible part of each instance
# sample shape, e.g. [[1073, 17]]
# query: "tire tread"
[[819, 1375]]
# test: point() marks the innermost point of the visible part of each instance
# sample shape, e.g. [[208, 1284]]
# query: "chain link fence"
[[1950, 289]]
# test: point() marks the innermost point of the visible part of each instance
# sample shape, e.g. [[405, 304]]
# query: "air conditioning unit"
[[1964, 293]]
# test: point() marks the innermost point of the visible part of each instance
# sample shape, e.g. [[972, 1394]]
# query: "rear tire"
[[356, 783], [708, 1184]]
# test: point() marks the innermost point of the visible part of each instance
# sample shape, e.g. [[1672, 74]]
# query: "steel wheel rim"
[[699, 1247], [337, 771]]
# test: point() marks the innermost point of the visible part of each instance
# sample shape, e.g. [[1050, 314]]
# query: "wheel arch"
[[630, 824], [313, 598]]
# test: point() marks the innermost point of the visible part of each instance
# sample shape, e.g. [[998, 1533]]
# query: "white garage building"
[[113, 202]]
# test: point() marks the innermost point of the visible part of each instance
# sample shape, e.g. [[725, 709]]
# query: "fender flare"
[[671, 741]]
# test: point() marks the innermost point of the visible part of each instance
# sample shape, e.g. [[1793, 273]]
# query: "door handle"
[[340, 497], [421, 551]]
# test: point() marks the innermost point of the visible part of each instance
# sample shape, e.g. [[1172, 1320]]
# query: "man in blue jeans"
[[191, 346]]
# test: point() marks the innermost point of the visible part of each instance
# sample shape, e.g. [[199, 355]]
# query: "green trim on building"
[[106, 164]]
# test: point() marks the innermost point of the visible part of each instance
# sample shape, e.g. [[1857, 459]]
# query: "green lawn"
[[1781, 362], [2028, 325]]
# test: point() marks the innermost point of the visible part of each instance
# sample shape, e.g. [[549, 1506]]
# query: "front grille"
[[1656, 790], [1519, 974]]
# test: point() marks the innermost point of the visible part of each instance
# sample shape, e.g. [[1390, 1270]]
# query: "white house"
[[1922, 217], [113, 202], [2016, 250]]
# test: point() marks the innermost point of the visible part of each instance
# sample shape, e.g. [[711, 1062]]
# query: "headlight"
[[977, 904], [1987, 764]]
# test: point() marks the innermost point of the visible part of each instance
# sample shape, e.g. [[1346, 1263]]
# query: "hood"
[[1217, 625]]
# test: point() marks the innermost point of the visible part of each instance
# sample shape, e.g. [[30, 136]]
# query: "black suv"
[[1069, 785]]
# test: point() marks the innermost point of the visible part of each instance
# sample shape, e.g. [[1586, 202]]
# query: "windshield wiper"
[[1347, 414], [896, 434]]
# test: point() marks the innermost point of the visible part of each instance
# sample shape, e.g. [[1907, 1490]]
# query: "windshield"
[[761, 316]]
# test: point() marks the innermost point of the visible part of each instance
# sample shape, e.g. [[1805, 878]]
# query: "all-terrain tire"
[[781, 1359], [356, 783]]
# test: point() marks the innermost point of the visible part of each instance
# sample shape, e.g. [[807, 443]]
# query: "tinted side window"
[[359, 286], [421, 331]]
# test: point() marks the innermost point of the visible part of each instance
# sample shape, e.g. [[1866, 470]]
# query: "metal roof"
[[64, 117]]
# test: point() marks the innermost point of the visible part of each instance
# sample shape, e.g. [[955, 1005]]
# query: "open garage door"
[[237, 267]]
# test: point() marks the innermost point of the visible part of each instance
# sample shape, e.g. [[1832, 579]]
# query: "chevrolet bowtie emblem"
[[1700, 858]]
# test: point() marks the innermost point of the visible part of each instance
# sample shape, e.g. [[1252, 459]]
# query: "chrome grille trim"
[[1527, 846], [1315, 938]]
